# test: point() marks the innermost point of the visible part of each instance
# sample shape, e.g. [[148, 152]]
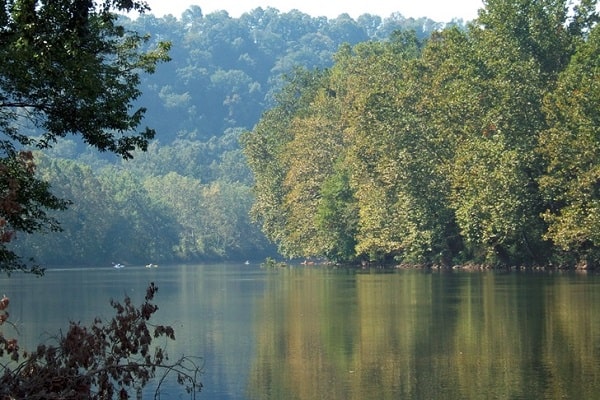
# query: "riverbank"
[[271, 263]]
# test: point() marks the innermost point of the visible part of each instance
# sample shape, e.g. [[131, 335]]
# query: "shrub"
[[103, 361]]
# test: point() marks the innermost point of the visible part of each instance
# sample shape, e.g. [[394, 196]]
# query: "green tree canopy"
[[67, 67], [571, 148], [478, 145]]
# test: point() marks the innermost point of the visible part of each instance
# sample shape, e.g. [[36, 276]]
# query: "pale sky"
[[437, 10]]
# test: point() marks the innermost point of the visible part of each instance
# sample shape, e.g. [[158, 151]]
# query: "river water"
[[307, 333]]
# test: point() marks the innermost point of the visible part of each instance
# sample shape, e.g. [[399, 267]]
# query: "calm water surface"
[[307, 334]]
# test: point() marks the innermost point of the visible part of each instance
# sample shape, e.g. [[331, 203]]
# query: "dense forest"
[[188, 196], [370, 140], [476, 144]]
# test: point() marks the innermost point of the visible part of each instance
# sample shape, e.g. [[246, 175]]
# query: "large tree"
[[67, 67], [517, 50], [266, 149], [571, 147]]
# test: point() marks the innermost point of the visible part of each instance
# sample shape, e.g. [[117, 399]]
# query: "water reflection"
[[307, 334], [414, 335]]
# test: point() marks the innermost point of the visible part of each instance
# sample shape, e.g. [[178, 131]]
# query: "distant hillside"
[[225, 70], [189, 196]]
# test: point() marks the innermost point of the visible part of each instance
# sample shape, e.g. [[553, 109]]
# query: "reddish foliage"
[[102, 361]]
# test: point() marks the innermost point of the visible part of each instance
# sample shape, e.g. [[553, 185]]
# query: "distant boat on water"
[[151, 265], [118, 265]]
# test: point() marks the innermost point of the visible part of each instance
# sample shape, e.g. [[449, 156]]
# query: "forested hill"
[[225, 70], [188, 197]]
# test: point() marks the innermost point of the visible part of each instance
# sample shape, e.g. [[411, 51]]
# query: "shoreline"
[[468, 267]]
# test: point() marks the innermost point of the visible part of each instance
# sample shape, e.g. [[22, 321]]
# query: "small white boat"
[[151, 265], [118, 265]]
